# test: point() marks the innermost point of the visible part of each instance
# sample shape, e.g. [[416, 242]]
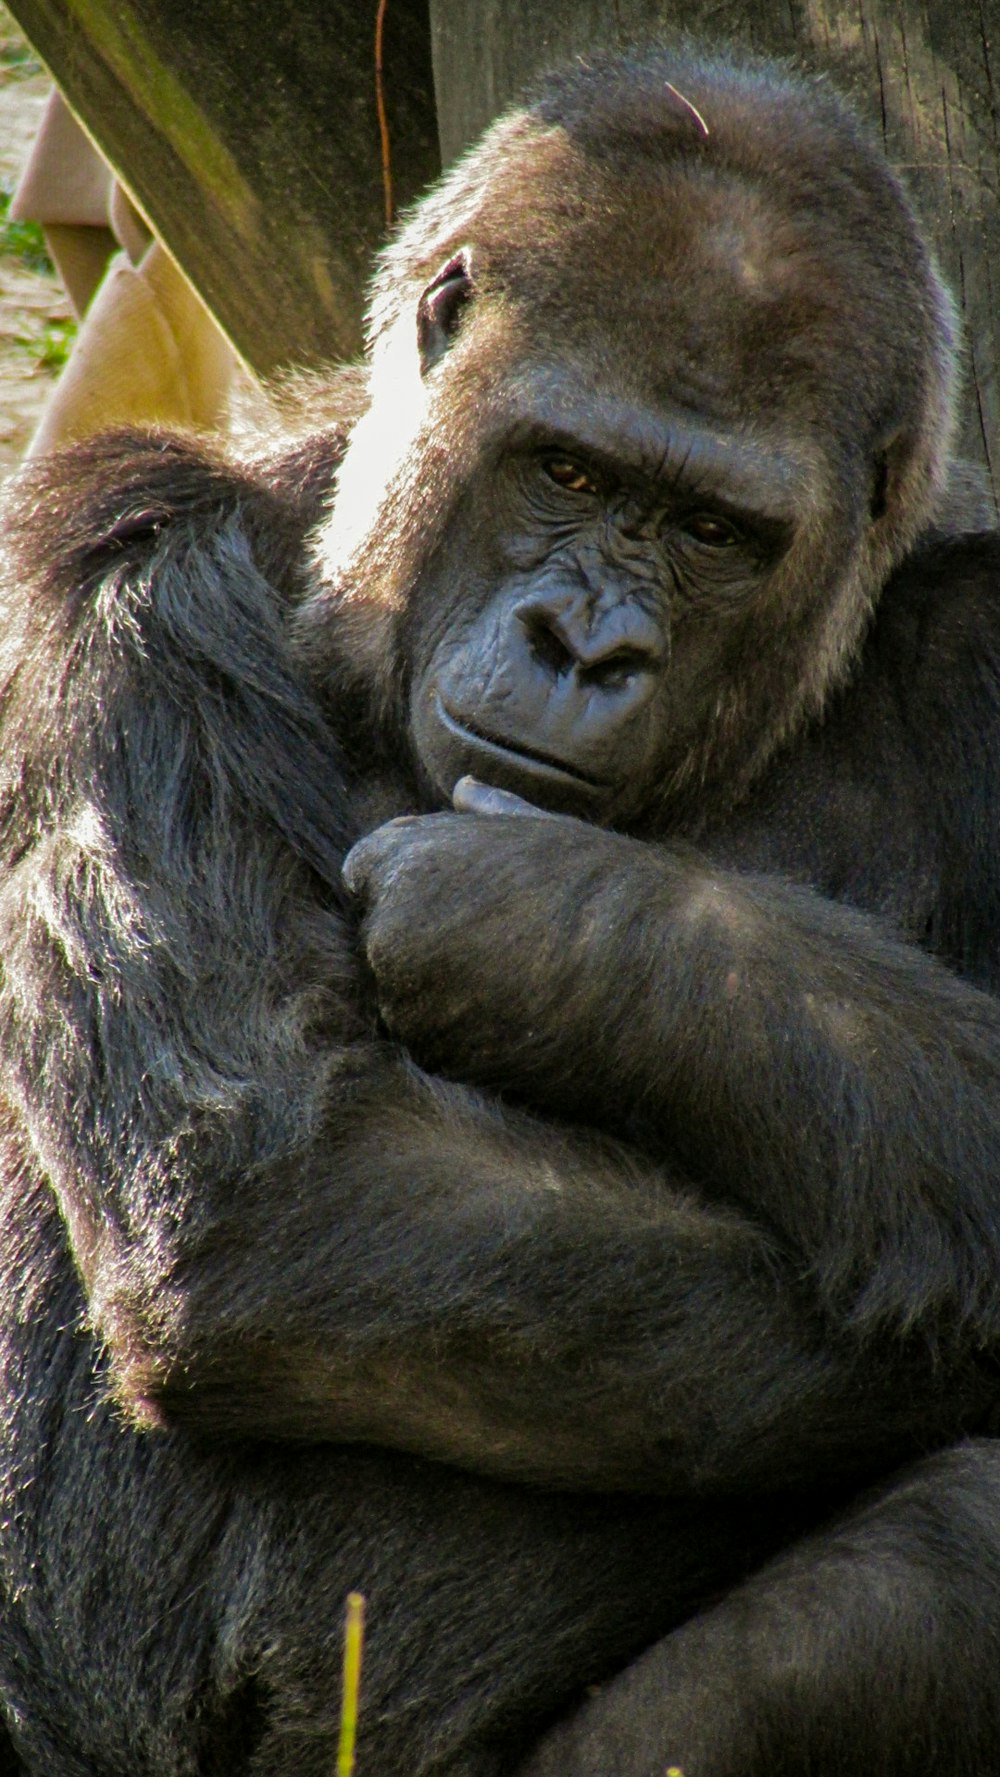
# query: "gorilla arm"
[[282, 1227], [789, 1052]]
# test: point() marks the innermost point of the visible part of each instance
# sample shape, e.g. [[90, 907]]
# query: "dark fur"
[[665, 1219]]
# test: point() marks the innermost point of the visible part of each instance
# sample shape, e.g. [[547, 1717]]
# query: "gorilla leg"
[[874, 1646]]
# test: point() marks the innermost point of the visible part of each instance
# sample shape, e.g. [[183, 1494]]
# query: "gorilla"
[[501, 941]]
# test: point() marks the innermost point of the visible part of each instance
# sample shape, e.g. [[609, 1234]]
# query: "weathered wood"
[[249, 137], [926, 72], [247, 133]]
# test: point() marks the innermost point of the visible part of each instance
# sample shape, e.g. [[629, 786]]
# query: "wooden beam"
[[247, 134]]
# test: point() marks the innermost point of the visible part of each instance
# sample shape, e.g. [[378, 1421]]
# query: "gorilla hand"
[[477, 929]]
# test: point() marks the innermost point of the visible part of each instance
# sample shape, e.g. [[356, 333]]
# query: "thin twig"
[[695, 113], [383, 120]]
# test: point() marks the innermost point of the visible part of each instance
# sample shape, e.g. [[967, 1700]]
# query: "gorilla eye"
[[570, 475], [713, 531]]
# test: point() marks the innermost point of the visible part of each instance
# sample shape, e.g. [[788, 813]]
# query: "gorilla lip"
[[526, 757]]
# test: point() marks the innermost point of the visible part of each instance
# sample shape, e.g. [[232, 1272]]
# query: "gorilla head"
[[660, 392]]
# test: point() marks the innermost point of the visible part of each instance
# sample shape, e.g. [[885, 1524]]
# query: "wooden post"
[[247, 133], [927, 75]]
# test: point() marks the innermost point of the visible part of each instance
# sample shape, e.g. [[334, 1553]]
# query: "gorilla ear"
[[440, 309]]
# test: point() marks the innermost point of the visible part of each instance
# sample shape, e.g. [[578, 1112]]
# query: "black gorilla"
[[641, 1168]]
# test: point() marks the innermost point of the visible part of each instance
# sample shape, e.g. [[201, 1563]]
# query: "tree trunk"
[[925, 72]]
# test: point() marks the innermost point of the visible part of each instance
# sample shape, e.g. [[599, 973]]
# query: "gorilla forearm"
[[754, 1032], [536, 1307]]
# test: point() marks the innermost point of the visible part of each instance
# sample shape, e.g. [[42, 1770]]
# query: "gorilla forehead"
[[731, 226], [691, 293]]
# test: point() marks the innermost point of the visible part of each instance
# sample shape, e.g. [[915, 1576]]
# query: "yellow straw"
[[354, 1635]]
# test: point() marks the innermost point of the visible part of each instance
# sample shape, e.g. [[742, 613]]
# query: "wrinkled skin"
[[570, 656], [499, 917]]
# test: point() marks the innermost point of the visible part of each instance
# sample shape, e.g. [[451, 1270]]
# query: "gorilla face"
[[629, 519], [627, 550]]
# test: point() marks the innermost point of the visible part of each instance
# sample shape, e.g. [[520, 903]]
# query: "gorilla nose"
[[604, 648]]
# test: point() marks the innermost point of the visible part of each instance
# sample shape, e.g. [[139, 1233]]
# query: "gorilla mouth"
[[530, 759]]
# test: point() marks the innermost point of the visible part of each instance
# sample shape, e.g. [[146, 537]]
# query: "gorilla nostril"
[[616, 671], [604, 665], [546, 643], [605, 645]]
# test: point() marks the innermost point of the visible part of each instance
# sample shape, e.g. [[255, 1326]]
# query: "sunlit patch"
[[726, 910], [381, 445], [743, 252], [840, 1021]]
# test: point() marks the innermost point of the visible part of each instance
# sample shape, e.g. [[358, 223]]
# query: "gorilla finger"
[[374, 855], [472, 797], [366, 859]]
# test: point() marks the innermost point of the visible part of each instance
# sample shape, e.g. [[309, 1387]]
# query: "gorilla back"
[[554, 1221]]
